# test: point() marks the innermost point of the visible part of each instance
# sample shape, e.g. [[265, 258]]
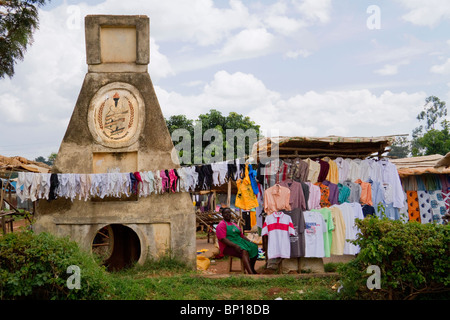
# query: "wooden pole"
[[229, 193]]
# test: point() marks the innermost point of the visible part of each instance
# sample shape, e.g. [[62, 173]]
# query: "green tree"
[[18, 20], [49, 161], [400, 148], [429, 138], [236, 125]]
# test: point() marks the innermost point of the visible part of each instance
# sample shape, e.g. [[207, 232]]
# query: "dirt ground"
[[221, 266], [217, 266]]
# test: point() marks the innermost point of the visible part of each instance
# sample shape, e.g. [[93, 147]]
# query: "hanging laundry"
[[313, 170], [438, 206], [314, 196], [315, 227], [343, 168], [278, 227], [344, 193], [245, 198], [324, 194], [276, 198], [328, 229], [297, 169], [338, 233], [350, 212], [297, 241], [426, 215], [296, 198], [333, 171]]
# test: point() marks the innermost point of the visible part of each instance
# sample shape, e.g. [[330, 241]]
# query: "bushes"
[[34, 266], [413, 258]]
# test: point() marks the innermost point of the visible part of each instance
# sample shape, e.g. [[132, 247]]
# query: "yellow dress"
[[245, 198]]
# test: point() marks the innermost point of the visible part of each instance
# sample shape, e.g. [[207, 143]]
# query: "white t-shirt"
[[278, 226], [315, 226], [350, 212]]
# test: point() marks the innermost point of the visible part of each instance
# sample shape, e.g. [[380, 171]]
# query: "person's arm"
[[229, 243]]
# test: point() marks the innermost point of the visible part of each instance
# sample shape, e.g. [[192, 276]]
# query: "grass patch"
[[179, 283]]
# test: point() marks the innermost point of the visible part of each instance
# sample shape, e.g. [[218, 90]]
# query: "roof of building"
[[436, 163], [331, 146], [22, 164]]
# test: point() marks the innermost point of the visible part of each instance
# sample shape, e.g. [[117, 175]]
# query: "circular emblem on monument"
[[116, 114]]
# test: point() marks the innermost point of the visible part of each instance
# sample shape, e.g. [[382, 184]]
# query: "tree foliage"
[[429, 138], [400, 148], [49, 161], [18, 20], [199, 130]]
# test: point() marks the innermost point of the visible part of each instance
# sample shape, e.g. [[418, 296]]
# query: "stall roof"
[[22, 164], [331, 146], [422, 165], [444, 162]]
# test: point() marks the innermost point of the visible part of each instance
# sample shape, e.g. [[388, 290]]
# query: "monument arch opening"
[[118, 246]]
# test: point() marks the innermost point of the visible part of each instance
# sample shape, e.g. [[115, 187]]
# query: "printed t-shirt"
[[278, 226], [314, 228]]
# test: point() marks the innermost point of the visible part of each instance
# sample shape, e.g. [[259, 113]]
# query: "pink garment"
[[139, 179], [173, 180], [221, 232], [164, 181], [314, 196]]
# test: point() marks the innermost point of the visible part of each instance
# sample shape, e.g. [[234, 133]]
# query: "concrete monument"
[[117, 125]]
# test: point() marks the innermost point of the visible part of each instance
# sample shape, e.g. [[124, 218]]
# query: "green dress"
[[234, 235]]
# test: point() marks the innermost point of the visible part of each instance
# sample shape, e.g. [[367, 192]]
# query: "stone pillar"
[[117, 126]]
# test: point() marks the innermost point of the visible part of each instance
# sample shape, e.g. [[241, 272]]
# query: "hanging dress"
[[245, 198]]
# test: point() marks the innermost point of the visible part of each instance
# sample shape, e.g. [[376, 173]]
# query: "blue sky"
[[296, 67]]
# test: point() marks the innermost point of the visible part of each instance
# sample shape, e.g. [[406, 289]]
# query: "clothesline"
[[33, 186]]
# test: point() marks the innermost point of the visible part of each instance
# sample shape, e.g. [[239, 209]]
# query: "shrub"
[[34, 266], [413, 258]]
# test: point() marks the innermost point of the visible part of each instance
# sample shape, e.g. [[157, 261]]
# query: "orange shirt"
[[366, 192], [276, 198]]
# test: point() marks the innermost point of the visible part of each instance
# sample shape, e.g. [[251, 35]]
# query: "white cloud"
[[390, 69], [387, 70], [441, 68], [159, 66], [295, 54], [426, 13], [345, 112], [248, 43], [314, 10]]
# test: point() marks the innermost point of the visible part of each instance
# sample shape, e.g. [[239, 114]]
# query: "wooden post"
[[229, 193]]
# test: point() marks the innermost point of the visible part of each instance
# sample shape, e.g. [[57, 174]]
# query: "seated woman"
[[232, 242]]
